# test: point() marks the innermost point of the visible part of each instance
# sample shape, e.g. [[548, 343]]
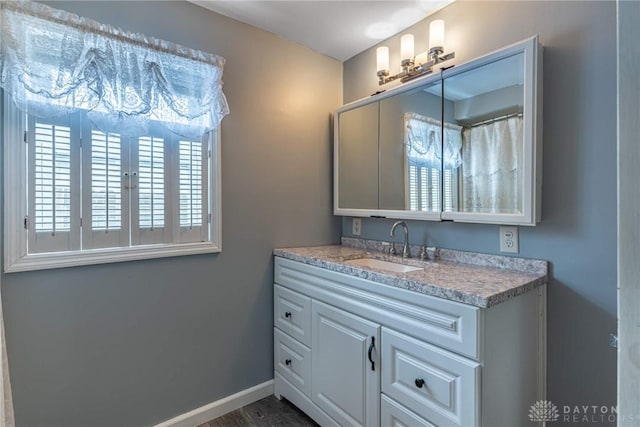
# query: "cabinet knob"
[[287, 314], [419, 382], [287, 362]]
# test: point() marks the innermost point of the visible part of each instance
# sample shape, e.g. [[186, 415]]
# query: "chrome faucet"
[[405, 248]]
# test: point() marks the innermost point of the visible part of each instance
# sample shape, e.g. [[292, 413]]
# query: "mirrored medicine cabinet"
[[462, 145]]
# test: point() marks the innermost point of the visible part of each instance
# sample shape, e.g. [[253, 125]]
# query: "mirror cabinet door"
[[410, 150], [484, 142], [358, 158]]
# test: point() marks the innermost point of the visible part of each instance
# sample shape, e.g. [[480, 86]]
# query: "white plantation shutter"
[[414, 185], [450, 187], [137, 186], [53, 183], [52, 168], [190, 183], [106, 181], [150, 182], [424, 188], [105, 203], [434, 185], [193, 184]]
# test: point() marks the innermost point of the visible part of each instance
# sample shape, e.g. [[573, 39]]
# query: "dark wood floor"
[[268, 412]]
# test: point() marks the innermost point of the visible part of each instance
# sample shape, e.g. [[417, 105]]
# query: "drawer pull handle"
[[371, 347], [287, 314], [419, 382], [287, 362]]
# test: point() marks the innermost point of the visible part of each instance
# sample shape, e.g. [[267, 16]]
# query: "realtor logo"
[[543, 410]]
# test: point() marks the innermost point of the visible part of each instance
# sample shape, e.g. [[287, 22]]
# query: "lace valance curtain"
[[53, 62], [422, 140]]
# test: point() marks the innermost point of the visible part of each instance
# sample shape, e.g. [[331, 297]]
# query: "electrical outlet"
[[509, 239], [356, 226]]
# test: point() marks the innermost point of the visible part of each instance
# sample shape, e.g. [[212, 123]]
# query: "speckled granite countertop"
[[471, 278]]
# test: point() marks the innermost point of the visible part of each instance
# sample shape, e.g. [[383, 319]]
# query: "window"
[[105, 166], [450, 190], [424, 188], [88, 190], [422, 157], [451, 163], [425, 158]]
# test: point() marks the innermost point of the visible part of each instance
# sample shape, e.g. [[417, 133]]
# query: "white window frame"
[[16, 257]]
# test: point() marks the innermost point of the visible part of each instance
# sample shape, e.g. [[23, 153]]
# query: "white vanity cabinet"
[[354, 352]]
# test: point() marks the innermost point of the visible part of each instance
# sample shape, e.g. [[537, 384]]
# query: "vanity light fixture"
[[414, 65]]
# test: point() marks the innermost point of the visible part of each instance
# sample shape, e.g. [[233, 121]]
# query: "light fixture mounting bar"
[[411, 71]]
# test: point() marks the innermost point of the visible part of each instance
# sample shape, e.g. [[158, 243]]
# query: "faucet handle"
[[424, 255], [392, 248]]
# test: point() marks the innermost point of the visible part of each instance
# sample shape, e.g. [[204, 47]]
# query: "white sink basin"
[[382, 265]]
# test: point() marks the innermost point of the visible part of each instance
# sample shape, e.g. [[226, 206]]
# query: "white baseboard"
[[220, 407]]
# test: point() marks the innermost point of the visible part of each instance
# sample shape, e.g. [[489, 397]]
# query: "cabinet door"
[[344, 381], [358, 158], [492, 145]]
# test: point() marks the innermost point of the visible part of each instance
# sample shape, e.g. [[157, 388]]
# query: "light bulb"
[[406, 47], [382, 58], [436, 34]]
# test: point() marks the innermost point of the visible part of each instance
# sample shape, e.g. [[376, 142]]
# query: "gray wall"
[[578, 229], [135, 343]]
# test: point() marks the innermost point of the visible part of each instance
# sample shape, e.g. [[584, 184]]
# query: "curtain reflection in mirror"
[[491, 166]]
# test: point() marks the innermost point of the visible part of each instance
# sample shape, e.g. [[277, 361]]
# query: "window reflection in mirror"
[[410, 150], [483, 154]]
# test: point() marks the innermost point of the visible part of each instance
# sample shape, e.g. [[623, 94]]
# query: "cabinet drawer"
[[439, 386], [292, 314], [292, 361], [448, 324], [393, 414]]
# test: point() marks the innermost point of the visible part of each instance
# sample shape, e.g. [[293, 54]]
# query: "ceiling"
[[337, 28], [507, 72]]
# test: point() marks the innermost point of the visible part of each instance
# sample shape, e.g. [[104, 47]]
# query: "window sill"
[[47, 261]]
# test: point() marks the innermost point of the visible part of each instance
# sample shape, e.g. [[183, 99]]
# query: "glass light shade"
[[436, 34], [422, 58], [406, 47], [382, 58]]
